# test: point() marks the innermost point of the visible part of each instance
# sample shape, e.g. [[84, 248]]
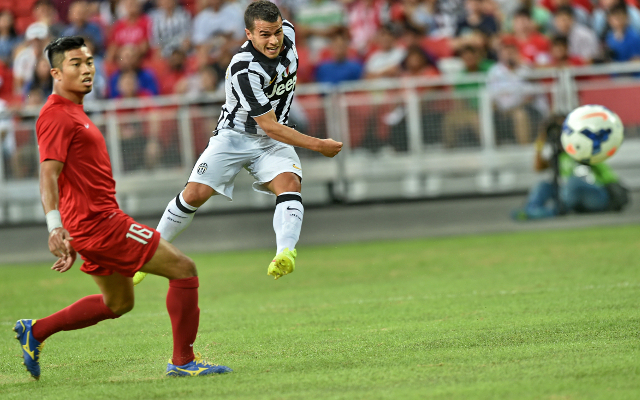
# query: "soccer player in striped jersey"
[[252, 133]]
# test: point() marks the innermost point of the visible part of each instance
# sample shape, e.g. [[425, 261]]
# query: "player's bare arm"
[[285, 134], [59, 238]]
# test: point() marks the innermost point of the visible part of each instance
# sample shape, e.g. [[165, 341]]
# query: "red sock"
[[85, 312], [182, 304]]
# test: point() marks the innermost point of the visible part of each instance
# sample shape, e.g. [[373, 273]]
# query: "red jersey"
[[535, 49], [127, 32], [86, 185]]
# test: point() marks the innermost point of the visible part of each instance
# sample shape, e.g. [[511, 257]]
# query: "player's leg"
[[182, 305], [116, 299], [212, 174], [181, 210], [287, 221]]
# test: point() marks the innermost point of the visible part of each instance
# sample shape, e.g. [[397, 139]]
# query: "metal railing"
[[403, 138]]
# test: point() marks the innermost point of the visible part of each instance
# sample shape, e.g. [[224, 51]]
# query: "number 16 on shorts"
[[139, 234]]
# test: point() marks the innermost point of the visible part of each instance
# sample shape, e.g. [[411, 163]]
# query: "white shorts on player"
[[230, 151]]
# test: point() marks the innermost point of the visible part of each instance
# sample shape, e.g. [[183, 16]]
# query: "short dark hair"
[[564, 10], [56, 49], [620, 8], [523, 12], [560, 40], [260, 10]]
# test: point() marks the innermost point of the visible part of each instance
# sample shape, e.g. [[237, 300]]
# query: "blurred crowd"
[[155, 47], [147, 48]]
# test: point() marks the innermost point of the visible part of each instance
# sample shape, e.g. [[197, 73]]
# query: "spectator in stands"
[[9, 40], [340, 67], [176, 71], [134, 29], [205, 80], [581, 8], [130, 60], [464, 116], [365, 18], [170, 27], [534, 46], [128, 86], [517, 103], [216, 23], [45, 12], [599, 17], [622, 41], [454, 9], [417, 63], [318, 20], [386, 61], [479, 39], [540, 16], [42, 81], [24, 63], [476, 19], [583, 42], [107, 12], [139, 150], [421, 15], [81, 26], [560, 57]]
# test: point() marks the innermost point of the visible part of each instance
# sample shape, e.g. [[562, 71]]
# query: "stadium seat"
[[22, 23], [23, 8], [615, 98], [6, 4]]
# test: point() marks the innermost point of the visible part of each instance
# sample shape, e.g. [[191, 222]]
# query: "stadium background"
[[418, 91], [489, 312]]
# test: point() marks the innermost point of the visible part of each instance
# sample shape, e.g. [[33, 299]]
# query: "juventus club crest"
[[202, 168]]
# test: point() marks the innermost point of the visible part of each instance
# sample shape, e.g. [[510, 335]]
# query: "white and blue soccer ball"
[[591, 134]]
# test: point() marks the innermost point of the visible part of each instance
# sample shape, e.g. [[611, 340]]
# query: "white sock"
[[287, 220], [176, 218]]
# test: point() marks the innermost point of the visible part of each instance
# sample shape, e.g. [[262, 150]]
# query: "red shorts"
[[116, 244]]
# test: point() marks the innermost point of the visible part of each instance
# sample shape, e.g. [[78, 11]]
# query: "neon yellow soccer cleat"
[[138, 277], [284, 263]]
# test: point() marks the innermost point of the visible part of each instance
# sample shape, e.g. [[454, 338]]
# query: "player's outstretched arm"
[[284, 134], [59, 238]]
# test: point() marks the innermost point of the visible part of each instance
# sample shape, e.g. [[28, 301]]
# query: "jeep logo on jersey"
[[283, 87], [202, 168]]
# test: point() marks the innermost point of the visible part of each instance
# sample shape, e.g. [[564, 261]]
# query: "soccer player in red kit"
[[78, 196]]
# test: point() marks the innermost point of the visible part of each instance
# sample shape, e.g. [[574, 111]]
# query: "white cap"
[[37, 30]]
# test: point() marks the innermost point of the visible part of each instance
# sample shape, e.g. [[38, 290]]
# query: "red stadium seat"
[[6, 4], [22, 23], [23, 8], [616, 99]]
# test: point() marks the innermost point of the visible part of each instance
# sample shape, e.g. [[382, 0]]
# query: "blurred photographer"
[[575, 187]]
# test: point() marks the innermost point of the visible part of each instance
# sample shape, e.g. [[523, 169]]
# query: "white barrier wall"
[[404, 138]]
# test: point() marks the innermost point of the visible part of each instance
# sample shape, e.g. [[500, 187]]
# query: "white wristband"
[[53, 220]]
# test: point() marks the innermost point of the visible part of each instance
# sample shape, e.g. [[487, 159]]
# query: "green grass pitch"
[[543, 315]]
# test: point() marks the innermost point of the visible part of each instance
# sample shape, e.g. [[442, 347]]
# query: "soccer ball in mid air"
[[591, 134]]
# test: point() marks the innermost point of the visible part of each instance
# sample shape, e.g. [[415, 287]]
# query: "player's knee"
[[187, 267], [121, 306], [291, 183], [295, 186], [196, 194]]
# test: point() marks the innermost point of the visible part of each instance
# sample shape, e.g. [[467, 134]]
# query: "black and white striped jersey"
[[255, 84]]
